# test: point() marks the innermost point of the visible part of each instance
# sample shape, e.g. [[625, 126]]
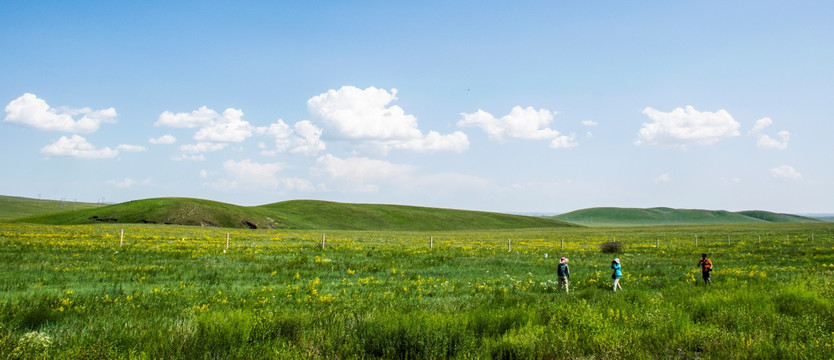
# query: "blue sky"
[[496, 106]]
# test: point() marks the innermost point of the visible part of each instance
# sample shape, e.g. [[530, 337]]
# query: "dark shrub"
[[611, 247]]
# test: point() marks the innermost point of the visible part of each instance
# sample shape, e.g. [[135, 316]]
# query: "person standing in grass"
[[564, 274], [618, 273], [706, 268]]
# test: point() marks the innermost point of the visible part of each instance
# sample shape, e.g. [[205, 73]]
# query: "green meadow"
[[178, 292]]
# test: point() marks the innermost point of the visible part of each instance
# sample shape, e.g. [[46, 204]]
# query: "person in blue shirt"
[[563, 271], [618, 273]]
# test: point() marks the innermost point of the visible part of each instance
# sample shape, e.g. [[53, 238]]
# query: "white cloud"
[[309, 138], [131, 148], [760, 125], [362, 173], [77, 146], [246, 174], [434, 141], [203, 173], [30, 111], [367, 115], [354, 113], [164, 140], [663, 178], [765, 141], [589, 123], [230, 127], [521, 123], [303, 138], [785, 172], [202, 147], [197, 118], [683, 127]]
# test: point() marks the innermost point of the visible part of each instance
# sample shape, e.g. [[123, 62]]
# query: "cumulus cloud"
[[77, 146], [215, 130], [589, 123], [303, 138], [246, 174], [367, 115], [229, 127], [521, 123], [683, 127], [765, 141], [164, 140], [30, 111], [197, 118], [786, 172]]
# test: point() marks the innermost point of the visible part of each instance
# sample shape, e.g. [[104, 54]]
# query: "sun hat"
[[617, 260], [563, 259]]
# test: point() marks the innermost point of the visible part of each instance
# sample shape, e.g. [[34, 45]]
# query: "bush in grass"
[[611, 247]]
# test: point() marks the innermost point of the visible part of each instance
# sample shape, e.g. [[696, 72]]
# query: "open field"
[[172, 292]]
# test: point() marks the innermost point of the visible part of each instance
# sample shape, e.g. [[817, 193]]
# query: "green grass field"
[[12, 207], [173, 292], [299, 214]]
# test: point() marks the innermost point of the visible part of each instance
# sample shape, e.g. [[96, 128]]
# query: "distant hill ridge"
[[295, 214], [614, 216], [324, 215]]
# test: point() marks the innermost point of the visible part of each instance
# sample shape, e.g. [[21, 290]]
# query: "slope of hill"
[[611, 216], [297, 214], [12, 207]]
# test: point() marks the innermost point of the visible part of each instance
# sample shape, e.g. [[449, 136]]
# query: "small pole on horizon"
[[227, 243], [563, 244], [323, 237], [728, 239], [696, 240], [121, 237], [509, 245], [657, 243], [760, 239], [431, 242]]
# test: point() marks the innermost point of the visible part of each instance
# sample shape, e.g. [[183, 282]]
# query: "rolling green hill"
[[297, 214], [612, 216], [16, 207]]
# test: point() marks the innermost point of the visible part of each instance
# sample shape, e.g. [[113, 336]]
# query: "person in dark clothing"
[[564, 274]]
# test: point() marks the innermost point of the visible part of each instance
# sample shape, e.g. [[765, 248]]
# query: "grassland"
[[173, 292], [16, 207], [299, 214], [611, 216]]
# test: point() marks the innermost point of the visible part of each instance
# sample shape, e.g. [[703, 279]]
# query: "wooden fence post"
[[122, 237], [509, 245], [728, 239], [323, 236], [696, 240], [431, 242], [227, 243], [563, 244]]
